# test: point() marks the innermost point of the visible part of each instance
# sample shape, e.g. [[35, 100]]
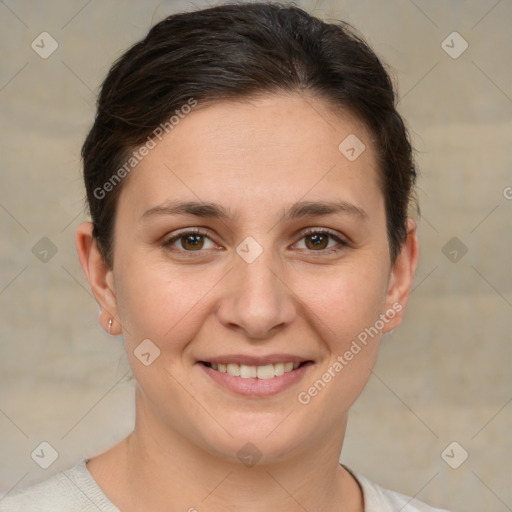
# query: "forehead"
[[264, 151]]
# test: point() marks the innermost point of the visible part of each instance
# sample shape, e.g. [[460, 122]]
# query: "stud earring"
[[109, 325]]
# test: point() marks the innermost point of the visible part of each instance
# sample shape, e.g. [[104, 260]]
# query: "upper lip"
[[255, 360]]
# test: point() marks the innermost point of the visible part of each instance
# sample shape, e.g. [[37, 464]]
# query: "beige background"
[[444, 376]]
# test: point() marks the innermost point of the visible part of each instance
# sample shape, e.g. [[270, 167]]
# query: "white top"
[[74, 490]]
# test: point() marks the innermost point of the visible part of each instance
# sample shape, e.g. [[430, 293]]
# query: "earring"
[[109, 325]]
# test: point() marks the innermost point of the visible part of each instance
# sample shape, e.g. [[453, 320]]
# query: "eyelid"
[[188, 231], [327, 231]]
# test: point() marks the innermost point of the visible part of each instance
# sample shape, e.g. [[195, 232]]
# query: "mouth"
[[262, 372], [255, 377]]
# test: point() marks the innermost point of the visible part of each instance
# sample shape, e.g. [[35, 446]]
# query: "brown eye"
[[317, 241], [189, 241], [192, 242]]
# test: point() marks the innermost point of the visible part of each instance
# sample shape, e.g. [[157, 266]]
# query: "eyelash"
[[312, 231]]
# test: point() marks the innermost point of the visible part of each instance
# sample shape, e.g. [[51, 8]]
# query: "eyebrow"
[[298, 210]]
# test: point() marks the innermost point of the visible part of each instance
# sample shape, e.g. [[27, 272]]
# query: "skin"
[[255, 158]]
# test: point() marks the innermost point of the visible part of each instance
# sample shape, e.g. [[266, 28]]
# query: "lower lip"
[[256, 387]]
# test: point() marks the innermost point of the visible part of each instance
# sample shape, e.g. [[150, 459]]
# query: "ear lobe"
[[98, 274], [402, 276]]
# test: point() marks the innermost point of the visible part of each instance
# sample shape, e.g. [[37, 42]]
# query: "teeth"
[[264, 372], [247, 372], [233, 369], [278, 369]]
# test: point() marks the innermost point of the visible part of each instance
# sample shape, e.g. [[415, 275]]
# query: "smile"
[[264, 372], [263, 380]]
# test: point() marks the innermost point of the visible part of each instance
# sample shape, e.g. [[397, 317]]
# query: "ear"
[[99, 276], [401, 278]]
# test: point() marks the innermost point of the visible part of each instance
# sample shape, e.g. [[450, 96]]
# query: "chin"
[[256, 440]]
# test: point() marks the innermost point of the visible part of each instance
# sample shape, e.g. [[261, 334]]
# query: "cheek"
[[159, 302], [347, 301], [345, 311]]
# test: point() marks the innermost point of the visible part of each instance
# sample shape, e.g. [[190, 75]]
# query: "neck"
[[164, 471]]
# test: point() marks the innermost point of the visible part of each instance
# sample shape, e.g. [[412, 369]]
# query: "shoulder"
[[73, 489], [378, 499]]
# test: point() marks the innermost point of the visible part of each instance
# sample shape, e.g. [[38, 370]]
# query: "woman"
[[249, 182]]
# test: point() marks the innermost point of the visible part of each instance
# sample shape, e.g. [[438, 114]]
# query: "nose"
[[256, 299]]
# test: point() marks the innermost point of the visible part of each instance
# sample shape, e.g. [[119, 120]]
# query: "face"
[[247, 242]]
